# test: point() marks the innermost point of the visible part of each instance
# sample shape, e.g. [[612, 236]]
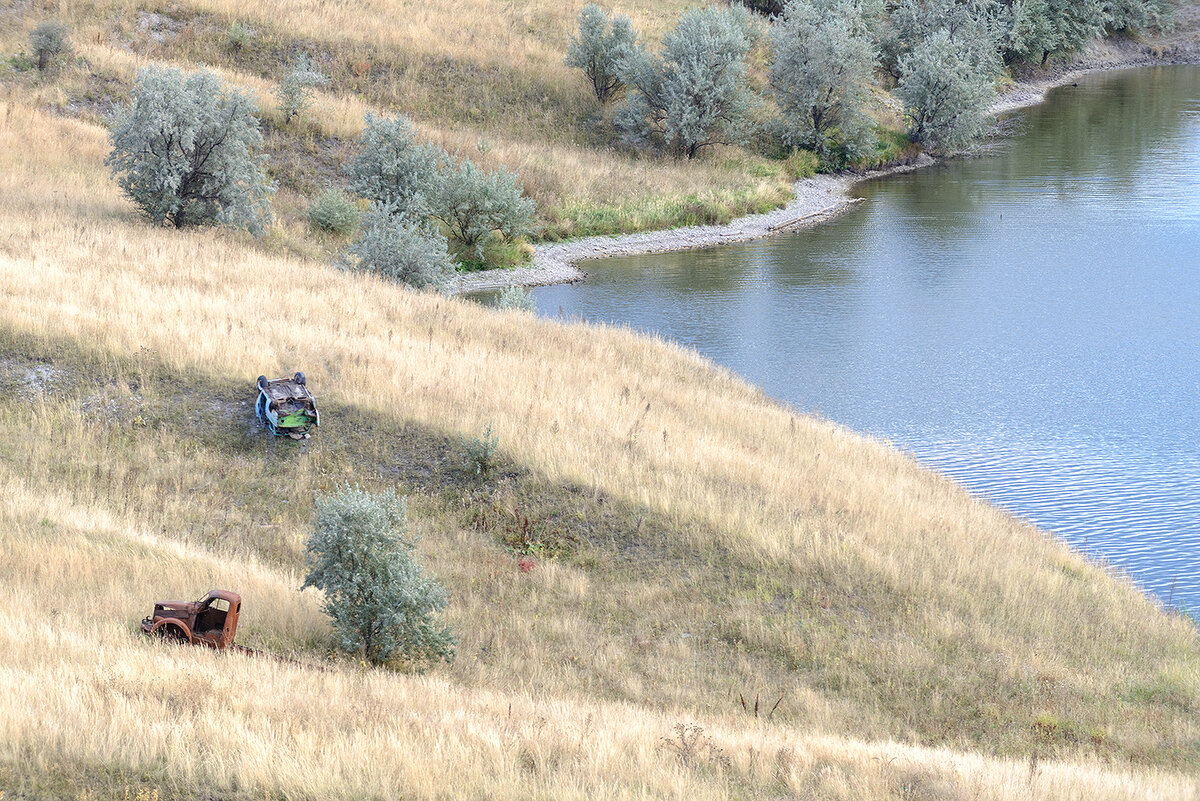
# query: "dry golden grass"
[[506, 98], [80, 691], [528, 38], [898, 575]]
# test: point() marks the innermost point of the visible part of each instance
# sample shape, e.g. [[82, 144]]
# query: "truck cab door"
[[231, 620]]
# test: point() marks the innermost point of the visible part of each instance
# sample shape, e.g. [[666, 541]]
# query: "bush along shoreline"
[[818, 198], [743, 104]]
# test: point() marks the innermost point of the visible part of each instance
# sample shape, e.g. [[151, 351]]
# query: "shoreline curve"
[[817, 199]]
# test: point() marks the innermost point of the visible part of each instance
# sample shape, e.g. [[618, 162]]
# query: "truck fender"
[[162, 624]]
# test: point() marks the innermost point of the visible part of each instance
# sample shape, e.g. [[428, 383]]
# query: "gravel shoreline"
[[817, 199]]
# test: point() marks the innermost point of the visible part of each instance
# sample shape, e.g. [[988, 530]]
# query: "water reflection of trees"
[[924, 224], [1102, 132], [826, 256], [671, 273], [1106, 129], [925, 220], [1093, 140], [813, 258]]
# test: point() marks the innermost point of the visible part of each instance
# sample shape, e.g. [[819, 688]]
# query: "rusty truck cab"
[[216, 618], [211, 621]]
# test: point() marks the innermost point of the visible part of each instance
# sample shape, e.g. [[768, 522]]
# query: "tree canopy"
[[821, 76], [382, 603], [695, 93], [601, 48], [185, 151]]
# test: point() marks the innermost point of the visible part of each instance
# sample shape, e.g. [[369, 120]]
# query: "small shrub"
[[238, 36], [890, 147], [479, 454], [393, 169], [522, 538], [499, 253], [1191, 615], [404, 250], [516, 298], [294, 92], [693, 748], [184, 151], [21, 62], [600, 49], [521, 535], [1050, 729], [333, 212], [419, 182], [474, 204], [382, 603], [50, 42]]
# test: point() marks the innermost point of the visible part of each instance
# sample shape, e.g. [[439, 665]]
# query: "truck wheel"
[[170, 634], [299, 378], [262, 382]]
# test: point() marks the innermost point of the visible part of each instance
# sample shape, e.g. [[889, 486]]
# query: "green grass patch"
[[892, 146], [801, 164], [660, 213], [1170, 688], [497, 253]]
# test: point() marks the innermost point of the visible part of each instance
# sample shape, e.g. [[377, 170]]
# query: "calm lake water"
[[1027, 322]]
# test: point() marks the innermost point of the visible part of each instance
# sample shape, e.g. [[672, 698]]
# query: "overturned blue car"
[[286, 407]]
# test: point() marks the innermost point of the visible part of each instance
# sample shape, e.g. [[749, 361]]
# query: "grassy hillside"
[[694, 543], [481, 78]]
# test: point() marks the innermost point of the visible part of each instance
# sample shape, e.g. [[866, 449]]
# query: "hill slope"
[[483, 78], [694, 542]]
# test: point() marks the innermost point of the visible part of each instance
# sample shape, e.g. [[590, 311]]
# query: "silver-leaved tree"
[[822, 74], [601, 47], [382, 603], [945, 93], [475, 204], [401, 249], [185, 151], [393, 168], [696, 92], [421, 187]]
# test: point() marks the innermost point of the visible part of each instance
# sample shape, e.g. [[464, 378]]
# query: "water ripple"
[[1027, 322]]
